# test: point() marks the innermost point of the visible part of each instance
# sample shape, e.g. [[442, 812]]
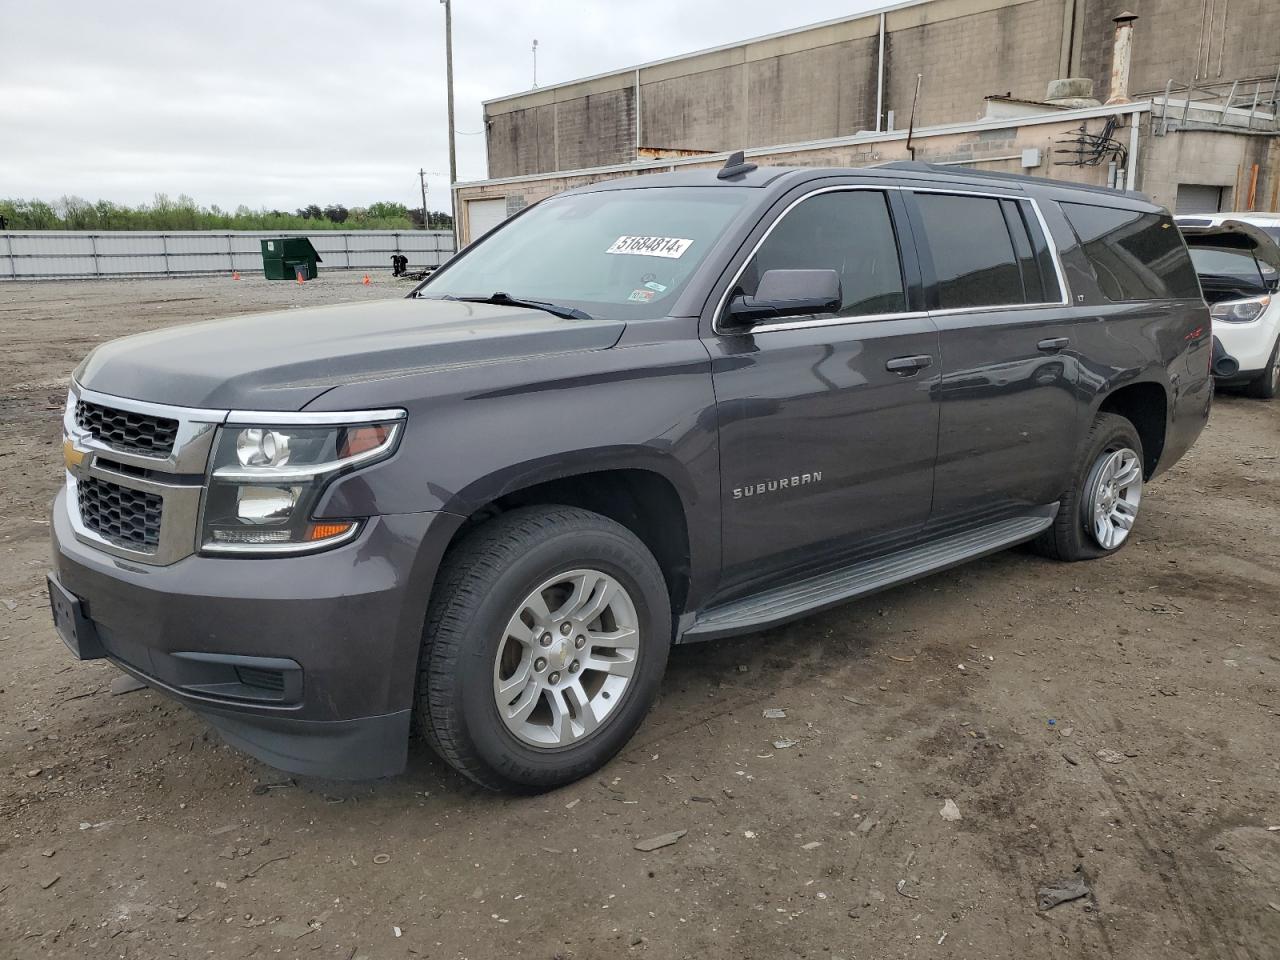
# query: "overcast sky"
[[284, 104]]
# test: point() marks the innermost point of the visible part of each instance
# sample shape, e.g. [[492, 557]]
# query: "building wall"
[[1215, 158], [1183, 40], [821, 82]]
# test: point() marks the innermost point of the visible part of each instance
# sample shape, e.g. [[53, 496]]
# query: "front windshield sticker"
[[672, 248], [641, 296]]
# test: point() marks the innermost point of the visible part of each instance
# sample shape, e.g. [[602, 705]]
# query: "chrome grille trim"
[[191, 443], [125, 430], [176, 476]]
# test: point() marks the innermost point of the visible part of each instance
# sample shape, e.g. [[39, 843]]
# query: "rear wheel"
[[545, 642], [1267, 385], [1097, 512]]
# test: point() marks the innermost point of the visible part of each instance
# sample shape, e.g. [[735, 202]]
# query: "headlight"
[[1239, 311], [265, 480]]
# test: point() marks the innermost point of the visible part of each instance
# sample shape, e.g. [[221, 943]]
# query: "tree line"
[[165, 213]]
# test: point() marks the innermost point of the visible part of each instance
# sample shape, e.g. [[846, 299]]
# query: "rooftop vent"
[[1122, 58]]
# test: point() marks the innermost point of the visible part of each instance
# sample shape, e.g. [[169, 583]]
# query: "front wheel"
[[1098, 511], [545, 642]]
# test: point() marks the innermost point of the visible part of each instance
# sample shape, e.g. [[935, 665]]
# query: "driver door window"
[[850, 232]]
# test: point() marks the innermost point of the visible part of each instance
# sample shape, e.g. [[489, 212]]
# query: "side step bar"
[[782, 604]]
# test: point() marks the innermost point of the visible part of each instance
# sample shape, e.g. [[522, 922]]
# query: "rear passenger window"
[[848, 231], [987, 252], [1134, 255]]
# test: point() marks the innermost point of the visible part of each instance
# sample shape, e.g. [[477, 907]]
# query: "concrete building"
[[1201, 131]]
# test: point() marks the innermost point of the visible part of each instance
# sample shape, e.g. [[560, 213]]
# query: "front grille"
[[262, 679], [128, 518], [124, 430]]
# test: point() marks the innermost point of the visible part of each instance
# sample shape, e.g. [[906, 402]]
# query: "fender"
[[1157, 345], [478, 433]]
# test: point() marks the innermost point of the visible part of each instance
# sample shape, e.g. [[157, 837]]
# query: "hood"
[[285, 359]]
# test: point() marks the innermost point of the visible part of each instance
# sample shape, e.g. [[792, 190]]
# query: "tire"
[[473, 641], [1267, 385], [1072, 535]]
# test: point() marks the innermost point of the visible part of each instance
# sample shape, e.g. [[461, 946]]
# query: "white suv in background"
[[1237, 256]]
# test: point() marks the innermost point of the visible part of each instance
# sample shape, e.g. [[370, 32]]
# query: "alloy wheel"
[[1114, 494], [566, 659]]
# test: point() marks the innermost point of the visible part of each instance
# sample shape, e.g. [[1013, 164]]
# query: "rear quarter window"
[[1134, 255]]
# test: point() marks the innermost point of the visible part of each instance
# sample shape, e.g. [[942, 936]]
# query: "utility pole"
[[448, 68], [422, 182], [535, 64]]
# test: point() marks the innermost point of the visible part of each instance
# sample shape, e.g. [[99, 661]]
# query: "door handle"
[[908, 366], [1053, 344]]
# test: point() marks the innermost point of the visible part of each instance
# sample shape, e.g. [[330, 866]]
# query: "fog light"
[[266, 504]]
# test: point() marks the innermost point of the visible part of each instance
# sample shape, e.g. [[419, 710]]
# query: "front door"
[[828, 424]]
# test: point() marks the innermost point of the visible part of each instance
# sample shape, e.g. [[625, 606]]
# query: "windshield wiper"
[[501, 299]]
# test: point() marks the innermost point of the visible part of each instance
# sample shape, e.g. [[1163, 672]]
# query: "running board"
[[782, 604]]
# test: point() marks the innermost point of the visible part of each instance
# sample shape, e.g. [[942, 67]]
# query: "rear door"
[[826, 446], [1009, 414]]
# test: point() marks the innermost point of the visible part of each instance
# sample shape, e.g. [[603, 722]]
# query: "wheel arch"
[[1146, 405], [646, 501]]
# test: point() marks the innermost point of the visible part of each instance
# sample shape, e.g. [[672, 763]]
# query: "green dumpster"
[[282, 258]]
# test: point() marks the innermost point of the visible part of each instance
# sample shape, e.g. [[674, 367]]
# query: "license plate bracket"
[[74, 628]]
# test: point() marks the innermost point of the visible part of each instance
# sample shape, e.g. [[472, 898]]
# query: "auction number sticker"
[[672, 248]]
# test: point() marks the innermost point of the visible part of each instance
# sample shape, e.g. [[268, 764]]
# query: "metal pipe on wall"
[[1208, 43], [880, 80], [1131, 171], [1204, 11], [637, 99], [1222, 43], [1064, 53]]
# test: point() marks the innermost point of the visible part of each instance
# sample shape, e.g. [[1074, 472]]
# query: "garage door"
[[1198, 198], [484, 215]]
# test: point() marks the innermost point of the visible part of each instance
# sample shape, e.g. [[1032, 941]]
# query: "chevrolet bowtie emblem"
[[72, 457]]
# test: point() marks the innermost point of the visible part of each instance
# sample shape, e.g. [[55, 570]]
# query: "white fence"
[[66, 254]]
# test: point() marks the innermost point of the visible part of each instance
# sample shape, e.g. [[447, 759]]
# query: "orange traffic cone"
[[366, 279], [299, 276], [235, 274]]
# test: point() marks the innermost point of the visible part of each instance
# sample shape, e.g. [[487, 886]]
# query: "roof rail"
[[919, 166]]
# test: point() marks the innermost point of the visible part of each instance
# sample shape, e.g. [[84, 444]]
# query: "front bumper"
[[306, 662]]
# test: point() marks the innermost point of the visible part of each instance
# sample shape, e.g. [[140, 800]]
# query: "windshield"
[[1237, 264], [616, 254]]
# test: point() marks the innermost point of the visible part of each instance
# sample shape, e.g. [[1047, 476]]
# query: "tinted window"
[[1134, 255], [973, 254], [850, 232]]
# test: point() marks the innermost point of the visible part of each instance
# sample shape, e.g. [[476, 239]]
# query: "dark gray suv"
[[650, 411]]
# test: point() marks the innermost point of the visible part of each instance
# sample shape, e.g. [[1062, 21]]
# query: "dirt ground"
[[1113, 721]]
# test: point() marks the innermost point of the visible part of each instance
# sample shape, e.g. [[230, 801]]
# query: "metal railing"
[[1245, 104]]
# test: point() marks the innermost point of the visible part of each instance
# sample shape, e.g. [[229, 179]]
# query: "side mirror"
[[788, 293]]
